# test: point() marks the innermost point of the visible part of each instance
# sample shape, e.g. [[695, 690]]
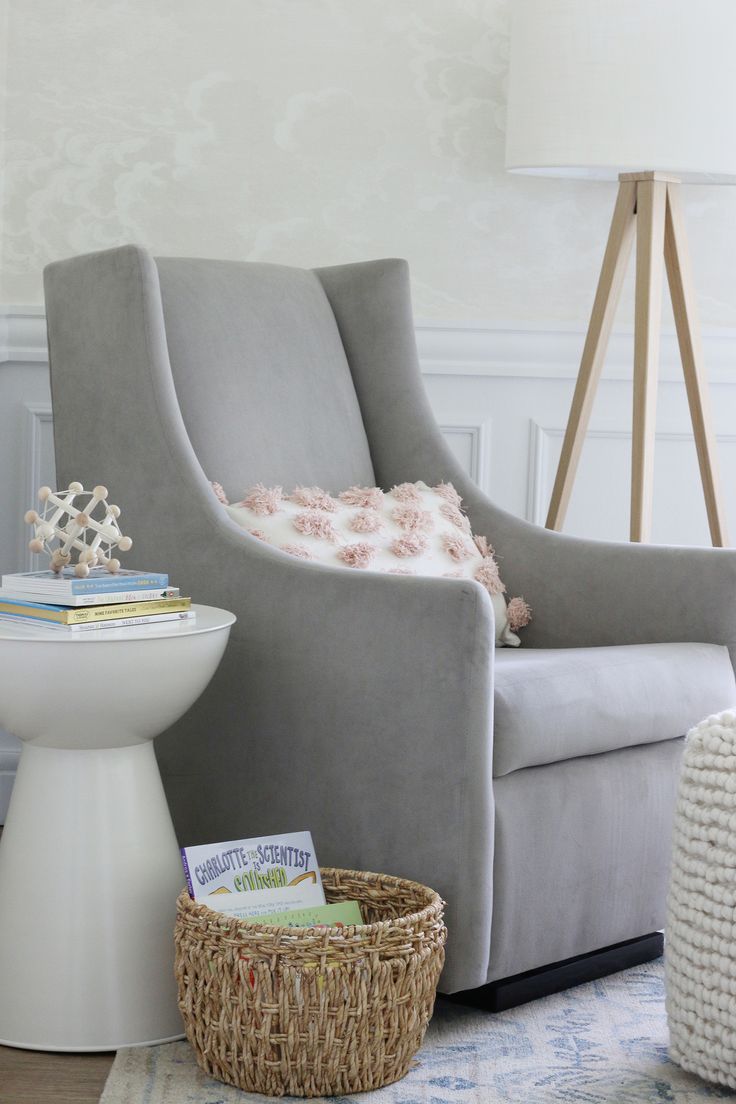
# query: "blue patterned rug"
[[602, 1042]]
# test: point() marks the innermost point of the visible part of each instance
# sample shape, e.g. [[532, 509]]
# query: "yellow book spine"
[[34, 614], [86, 614]]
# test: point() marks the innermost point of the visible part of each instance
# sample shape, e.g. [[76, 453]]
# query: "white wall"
[[305, 132], [26, 462]]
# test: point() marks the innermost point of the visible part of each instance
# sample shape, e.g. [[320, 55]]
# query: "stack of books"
[[45, 600]]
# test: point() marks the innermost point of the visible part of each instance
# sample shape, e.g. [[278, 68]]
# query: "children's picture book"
[[339, 914], [257, 870], [252, 905]]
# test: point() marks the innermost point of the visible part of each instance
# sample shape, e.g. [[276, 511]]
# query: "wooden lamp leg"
[[682, 293], [651, 201], [650, 216], [613, 270]]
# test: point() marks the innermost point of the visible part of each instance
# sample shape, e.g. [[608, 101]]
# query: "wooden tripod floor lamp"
[[643, 91]]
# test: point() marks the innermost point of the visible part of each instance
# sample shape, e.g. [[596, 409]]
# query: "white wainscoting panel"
[[600, 502], [39, 469], [501, 395], [9, 756], [26, 460], [471, 446]]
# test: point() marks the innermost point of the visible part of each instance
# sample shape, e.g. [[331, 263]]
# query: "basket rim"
[[433, 909]]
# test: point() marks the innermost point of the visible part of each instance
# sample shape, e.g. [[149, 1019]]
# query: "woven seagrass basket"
[[312, 1011]]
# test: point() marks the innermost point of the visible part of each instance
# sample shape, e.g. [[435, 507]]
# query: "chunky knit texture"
[[701, 912]]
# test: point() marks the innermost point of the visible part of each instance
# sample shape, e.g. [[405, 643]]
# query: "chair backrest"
[[261, 376]]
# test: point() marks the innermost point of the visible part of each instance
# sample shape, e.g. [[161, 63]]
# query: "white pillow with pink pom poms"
[[411, 530]]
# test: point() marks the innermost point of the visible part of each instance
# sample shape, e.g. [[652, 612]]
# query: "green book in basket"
[[337, 915]]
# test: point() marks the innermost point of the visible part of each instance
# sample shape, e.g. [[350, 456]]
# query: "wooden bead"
[[81, 570], [99, 491], [82, 519], [43, 493], [31, 517], [36, 545], [59, 559]]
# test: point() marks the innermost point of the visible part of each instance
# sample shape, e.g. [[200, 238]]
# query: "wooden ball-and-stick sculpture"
[[68, 516]]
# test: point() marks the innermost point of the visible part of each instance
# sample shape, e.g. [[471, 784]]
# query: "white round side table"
[[89, 864]]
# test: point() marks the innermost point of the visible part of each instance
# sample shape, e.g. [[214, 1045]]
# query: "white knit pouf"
[[700, 946]]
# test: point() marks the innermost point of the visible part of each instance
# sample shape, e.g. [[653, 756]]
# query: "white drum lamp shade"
[[601, 87]]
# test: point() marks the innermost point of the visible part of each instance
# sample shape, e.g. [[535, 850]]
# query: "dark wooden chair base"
[[512, 991]]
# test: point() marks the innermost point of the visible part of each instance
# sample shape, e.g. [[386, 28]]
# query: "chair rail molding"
[[527, 351], [460, 349], [494, 349], [22, 335]]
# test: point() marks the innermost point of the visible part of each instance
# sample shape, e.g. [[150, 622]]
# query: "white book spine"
[[127, 622], [34, 624], [107, 599]]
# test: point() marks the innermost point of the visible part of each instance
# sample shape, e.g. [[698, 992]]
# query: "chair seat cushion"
[[553, 704]]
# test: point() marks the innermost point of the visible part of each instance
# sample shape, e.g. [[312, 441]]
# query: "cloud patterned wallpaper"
[[302, 132]]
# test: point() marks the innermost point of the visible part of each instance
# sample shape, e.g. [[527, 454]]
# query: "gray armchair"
[[361, 706]]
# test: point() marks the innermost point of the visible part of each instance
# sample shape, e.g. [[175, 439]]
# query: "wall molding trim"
[[462, 349], [22, 335], [477, 436], [9, 759], [531, 352], [540, 437], [38, 418]]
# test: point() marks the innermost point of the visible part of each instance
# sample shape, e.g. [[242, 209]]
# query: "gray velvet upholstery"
[[581, 854], [268, 367], [552, 704], [358, 705]]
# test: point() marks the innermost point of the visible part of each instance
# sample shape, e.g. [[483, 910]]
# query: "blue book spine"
[[95, 586], [185, 864]]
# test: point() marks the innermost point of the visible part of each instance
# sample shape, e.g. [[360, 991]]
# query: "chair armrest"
[[358, 705], [589, 592]]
